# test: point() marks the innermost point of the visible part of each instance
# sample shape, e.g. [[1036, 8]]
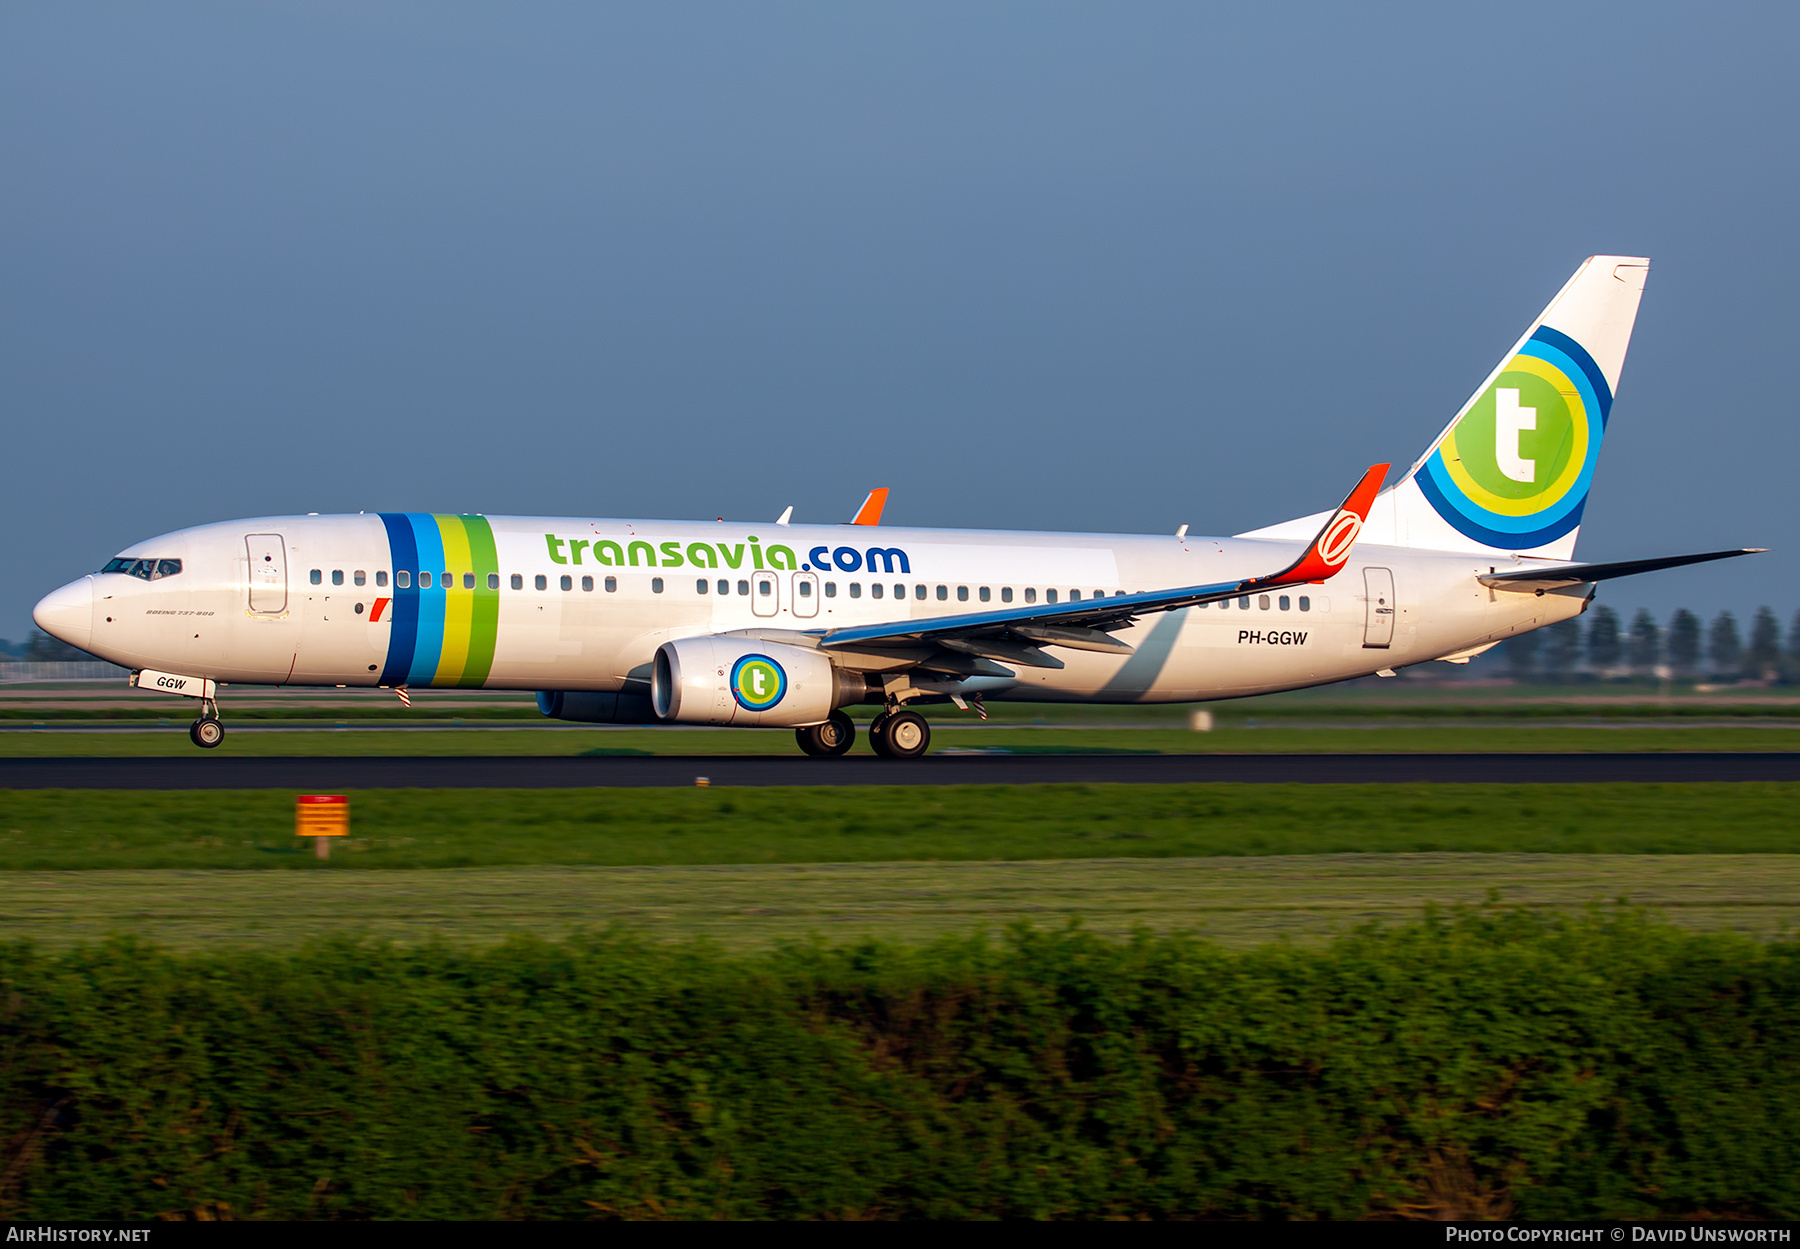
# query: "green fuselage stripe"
[[484, 620]]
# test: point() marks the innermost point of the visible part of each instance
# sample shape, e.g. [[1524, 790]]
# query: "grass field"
[[66, 830], [1237, 901], [1373, 737]]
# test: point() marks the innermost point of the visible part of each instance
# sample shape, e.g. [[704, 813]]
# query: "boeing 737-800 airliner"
[[634, 621]]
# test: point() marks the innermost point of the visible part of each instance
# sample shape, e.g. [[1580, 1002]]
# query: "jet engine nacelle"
[[721, 680], [595, 707]]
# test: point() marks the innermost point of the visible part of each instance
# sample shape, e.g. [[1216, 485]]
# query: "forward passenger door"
[[268, 573]]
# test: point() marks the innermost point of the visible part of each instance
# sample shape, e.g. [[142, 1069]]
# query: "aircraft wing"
[[1553, 578], [1018, 634]]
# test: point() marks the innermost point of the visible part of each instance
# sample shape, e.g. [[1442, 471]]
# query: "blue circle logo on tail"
[[757, 682], [1514, 472]]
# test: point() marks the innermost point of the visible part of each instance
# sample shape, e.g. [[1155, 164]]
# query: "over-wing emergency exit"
[[624, 621]]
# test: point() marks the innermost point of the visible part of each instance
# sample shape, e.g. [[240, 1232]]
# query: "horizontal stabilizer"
[[1581, 574]]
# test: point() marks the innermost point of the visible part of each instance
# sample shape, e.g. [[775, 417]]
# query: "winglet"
[[1331, 549], [870, 512]]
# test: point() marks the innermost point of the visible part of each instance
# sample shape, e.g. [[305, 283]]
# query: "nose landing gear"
[[207, 732]]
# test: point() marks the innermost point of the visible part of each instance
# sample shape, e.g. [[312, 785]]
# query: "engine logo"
[[757, 682]]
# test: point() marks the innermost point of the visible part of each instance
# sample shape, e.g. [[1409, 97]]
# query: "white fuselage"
[[543, 603]]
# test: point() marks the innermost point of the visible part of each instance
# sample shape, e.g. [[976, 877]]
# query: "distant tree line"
[[40, 647], [1595, 647]]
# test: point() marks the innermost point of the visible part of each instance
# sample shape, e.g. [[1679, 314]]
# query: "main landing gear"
[[207, 732], [900, 735], [833, 737], [895, 734]]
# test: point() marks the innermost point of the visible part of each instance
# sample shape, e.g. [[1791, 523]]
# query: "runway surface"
[[578, 772]]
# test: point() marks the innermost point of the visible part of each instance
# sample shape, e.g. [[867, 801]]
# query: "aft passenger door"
[[765, 593], [1378, 624], [268, 573]]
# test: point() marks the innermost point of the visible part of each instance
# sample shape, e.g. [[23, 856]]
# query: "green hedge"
[[1495, 1062]]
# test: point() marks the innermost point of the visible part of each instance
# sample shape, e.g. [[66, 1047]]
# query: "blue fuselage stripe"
[[430, 644], [403, 554]]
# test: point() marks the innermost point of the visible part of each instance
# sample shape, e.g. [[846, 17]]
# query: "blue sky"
[[1095, 267]]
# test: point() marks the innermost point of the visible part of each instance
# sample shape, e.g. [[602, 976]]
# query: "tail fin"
[[1510, 474]]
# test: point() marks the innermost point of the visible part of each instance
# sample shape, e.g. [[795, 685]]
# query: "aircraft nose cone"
[[68, 614]]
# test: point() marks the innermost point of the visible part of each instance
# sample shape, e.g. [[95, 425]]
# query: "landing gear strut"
[[830, 738], [900, 735], [207, 732]]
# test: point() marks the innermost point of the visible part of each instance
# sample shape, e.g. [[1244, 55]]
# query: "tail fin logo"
[[1514, 470], [1335, 543]]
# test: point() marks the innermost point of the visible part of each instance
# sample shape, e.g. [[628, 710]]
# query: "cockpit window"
[[147, 569]]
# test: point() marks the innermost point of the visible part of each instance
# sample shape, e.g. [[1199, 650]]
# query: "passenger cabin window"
[[700, 586], [876, 590], [962, 593], [1049, 596], [1243, 602], [1305, 603], [541, 582], [744, 588], [337, 576], [360, 577], [943, 593], [900, 591], [986, 594], [656, 585], [403, 579], [1006, 594], [468, 581], [1284, 602], [1262, 602], [316, 577], [805, 588], [381, 578], [518, 581], [1030, 595], [445, 581], [831, 589], [612, 585], [566, 581], [587, 585], [493, 581], [724, 587], [765, 588], [1074, 596], [424, 580]]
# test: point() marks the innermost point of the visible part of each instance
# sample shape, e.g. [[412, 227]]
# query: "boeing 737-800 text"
[[631, 621]]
